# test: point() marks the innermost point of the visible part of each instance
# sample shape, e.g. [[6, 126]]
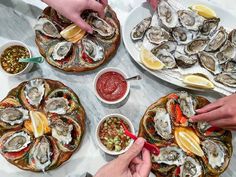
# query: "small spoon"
[[137, 77], [32, 60], [152, 148]]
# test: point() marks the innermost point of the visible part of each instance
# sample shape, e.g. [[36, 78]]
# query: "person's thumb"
[[133, 151]]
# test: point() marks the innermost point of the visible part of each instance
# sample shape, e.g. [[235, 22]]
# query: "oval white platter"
[[143, 11]]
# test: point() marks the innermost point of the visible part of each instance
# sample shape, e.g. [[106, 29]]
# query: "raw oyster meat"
[[17, 142], [182, 35], [58, 105], [209, 26], [191, 167], [61, 50], [227, 52], [62, 131], [163, 124], [169, 46], [184, 60], [187, 104], [232, 36], [229, 66], [167, 58], [190, 19], [217, 40], [170, 155], [47, 28], [157, 35], [227, 79], [197, 45], [14, 116], [140, 29], [34, 91], [167, 14], [209, 62]]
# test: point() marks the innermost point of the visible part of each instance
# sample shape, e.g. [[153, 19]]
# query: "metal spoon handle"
[[32, 60], [137, 77]]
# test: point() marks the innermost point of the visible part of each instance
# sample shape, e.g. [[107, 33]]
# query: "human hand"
[[153, 3], [221, 113], [129, 164], [72, 9]]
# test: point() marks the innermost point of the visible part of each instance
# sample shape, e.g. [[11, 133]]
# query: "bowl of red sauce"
[[110, 134], [110, 86]]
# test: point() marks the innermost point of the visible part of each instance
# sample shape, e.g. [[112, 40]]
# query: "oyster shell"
[[62, 131], [227, 79], [209, 62], [61, 50], [103, 29], [93, 50], [232, 36], [187, 104], [14, 116], [217, 40], [197, 45], [184, 60], [227, 52], [163, 124], [157, 35], [167, 58], [206, 129], [182, 35], [34, 91], [58, 105], [229, 66], [209, 26], [17, 142], [46, 27], [190, 19], [167, 14], [169, 46], [191, 167], [170, 155], [139, 30]]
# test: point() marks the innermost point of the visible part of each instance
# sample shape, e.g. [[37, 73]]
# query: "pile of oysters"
[[183, 39]]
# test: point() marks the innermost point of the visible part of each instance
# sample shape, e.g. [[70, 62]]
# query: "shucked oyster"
[[163, 124], [227, 79], [61, 50], [187, 104], [34, 91], [46, 27], [13, 116], [58, 105], [167, 58], [167, 14], [169, 46], [232, 36], [139, 30], [184, 60], [157, 35], [182, 35], [209, 26], [229, 66], [226, 53], [196, 46], [191, 167]]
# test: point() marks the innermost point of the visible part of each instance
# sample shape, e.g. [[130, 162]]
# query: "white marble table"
[[17, 19]]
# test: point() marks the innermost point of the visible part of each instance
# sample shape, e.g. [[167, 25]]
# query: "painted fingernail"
[[140, 141]]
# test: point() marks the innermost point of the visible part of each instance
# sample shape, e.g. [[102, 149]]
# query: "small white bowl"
[[99, 143], [12, 43], [110, 69]]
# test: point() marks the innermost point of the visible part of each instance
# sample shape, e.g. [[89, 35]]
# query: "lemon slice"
[[39, 123], [198, 81], [149, 60], [188, 140], [204, 11], [72, 32]]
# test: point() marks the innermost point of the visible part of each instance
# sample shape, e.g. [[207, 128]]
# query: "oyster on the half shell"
[[226, 53], [184, 60], [191, 167], [227, 79], [232, 36], [196, 46], [58, 105], [209, 26], [61, 50], [167, 58], [229, 66], [139, 30], [169, 46], [187, 104], [182, 35], [157, 35]]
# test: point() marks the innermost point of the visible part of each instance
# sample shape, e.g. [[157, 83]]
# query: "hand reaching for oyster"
[[153, 3], [72, 9], [221, 113]]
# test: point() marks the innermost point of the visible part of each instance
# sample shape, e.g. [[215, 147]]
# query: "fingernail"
[[140, 141], [90, 31], [198, 110]]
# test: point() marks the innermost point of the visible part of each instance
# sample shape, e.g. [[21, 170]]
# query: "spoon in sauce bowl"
[[137, 77]]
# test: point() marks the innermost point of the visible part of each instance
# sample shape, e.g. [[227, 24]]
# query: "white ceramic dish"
[[99, 143], [144, 11], [12, 43], [109, 70]]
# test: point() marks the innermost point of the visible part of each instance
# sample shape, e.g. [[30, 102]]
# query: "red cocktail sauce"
[[111, 86]]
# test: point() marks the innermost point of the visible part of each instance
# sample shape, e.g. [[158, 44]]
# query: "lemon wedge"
[[39, 124], [149, 60], [204, 11], [198, 81], [73, 33], [188, 140]]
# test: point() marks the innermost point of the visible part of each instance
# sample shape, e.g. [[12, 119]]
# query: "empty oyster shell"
[[217, 40], [139, 30], [232, 36], [170, 155], [209, 26], [227, 79], [34, 91], [184, 60], [157, 35], [209, 62], [191, 167], [58, 105], [229, 66], [14, 116], [227, 52], [46, 27], [163, 124], [190, 19], [167, 14], [187, 104], [182, 35], [196, 46], [169, 46], [62, 131], [103, 29], [167, 58], [61, 50], [93, 50]]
